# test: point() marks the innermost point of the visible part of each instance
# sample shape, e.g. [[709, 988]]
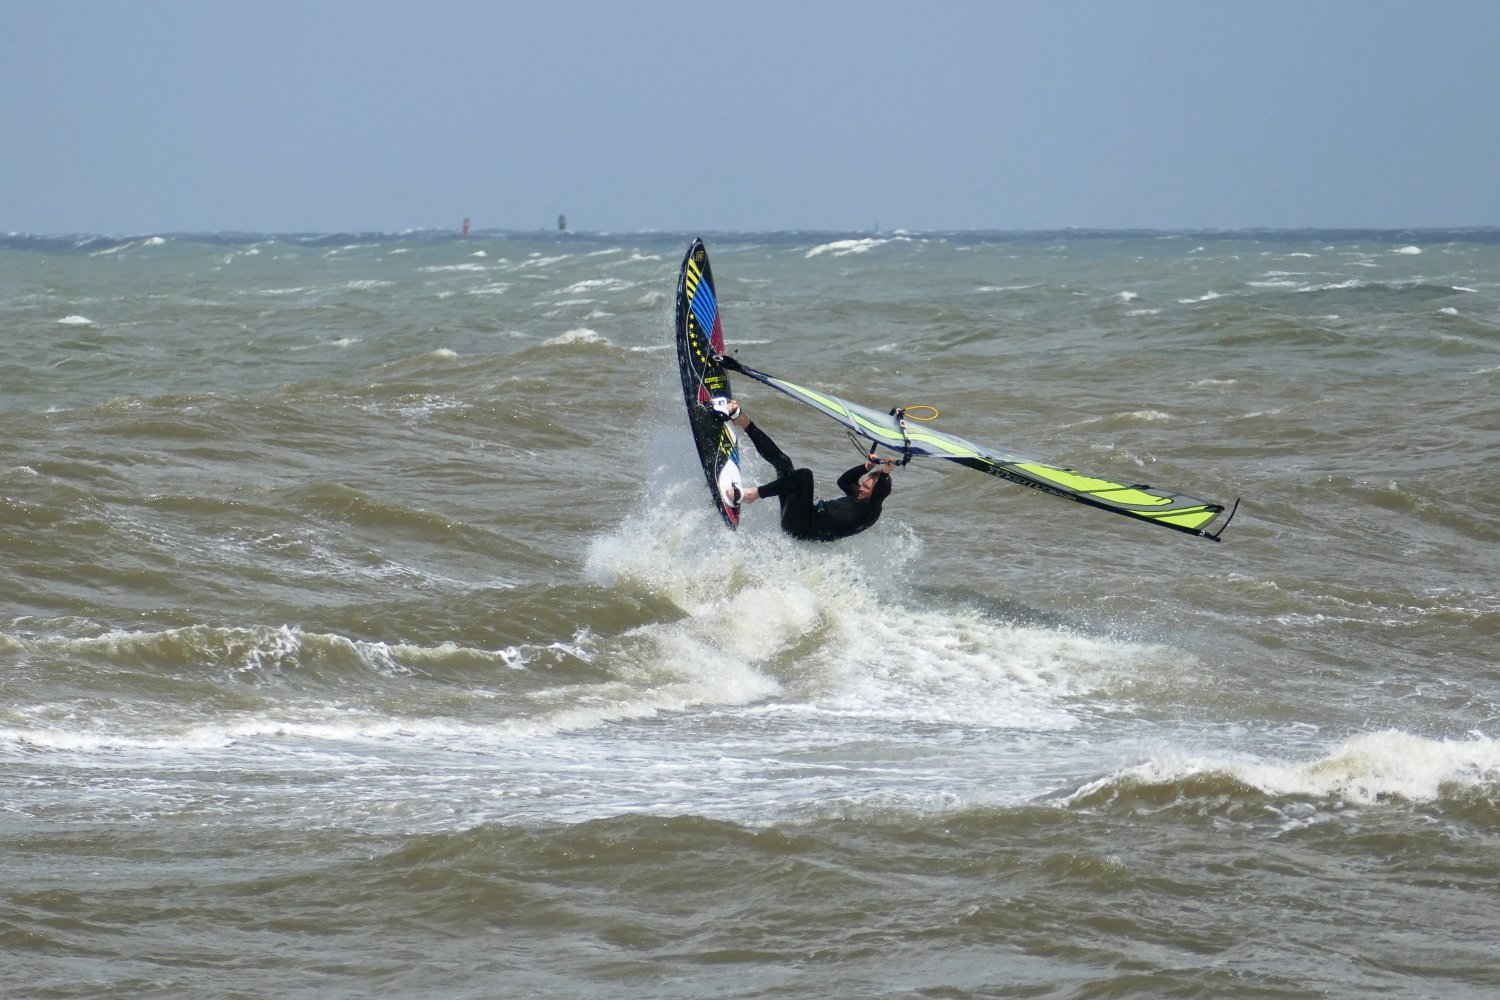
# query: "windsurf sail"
[[1168, 508]]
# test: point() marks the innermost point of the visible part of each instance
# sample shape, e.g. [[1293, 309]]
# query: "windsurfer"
[[865, 488]]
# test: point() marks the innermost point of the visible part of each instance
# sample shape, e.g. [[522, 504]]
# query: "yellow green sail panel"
[[1167, 508]]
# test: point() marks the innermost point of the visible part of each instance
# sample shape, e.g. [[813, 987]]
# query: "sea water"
[[366, 628]]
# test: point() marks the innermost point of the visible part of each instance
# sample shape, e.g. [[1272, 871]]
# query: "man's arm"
[[849, 481]]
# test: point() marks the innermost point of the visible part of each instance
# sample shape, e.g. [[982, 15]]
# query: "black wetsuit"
[[805, 518]]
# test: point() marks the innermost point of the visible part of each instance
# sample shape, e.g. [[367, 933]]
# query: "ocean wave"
[[596, 285], [839, 642], [843, 248], [1364, 770], [538, 260], [447, 268], [580, 335], [150, 241]]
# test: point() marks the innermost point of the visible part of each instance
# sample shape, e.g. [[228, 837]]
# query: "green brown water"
[[366, 629]]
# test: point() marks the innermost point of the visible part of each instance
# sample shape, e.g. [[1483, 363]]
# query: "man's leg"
[[768, 451], [799, 515]]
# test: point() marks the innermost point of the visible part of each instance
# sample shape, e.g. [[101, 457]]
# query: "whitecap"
[[1146, 416], [1334, 286], [828, 641], [581, 335], [537, 260], [1373, 767], [1410, 250], [75, 320], [842, 248], [593, 284], [1364, 769]]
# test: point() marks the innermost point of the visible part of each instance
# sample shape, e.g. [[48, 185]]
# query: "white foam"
[[596, 284], [75, 320], [819, 632], [1363, 769], [842, 248], [581, 335], [442, 268], [537, 260], [1144, 416], [1409, 250], [150, 241], [85, 741], [1334, 286]]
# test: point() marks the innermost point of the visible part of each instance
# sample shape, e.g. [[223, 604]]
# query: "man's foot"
[[733, 495]]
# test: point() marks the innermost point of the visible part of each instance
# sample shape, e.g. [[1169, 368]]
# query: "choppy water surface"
[[366, 628]]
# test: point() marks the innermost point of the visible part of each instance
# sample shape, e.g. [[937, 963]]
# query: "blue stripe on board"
[[705, 307]]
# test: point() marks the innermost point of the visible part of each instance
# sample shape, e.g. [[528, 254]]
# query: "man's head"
[[875, 484]]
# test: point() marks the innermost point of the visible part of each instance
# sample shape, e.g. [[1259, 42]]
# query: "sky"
[[370, 115]]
